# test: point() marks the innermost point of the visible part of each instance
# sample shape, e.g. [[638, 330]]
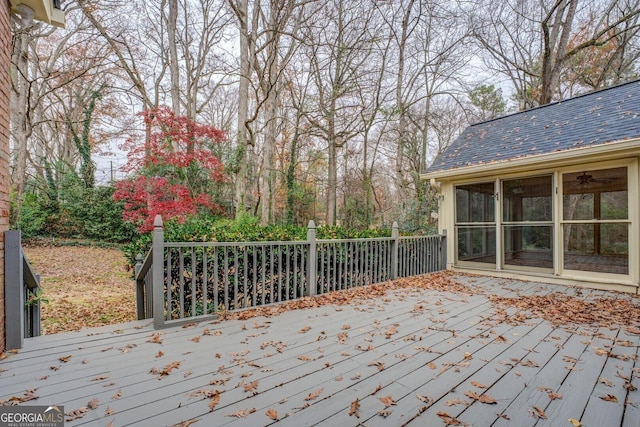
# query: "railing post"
[[443, 250], [158, 273], [14, 297], [312, 262], [394, 250], [139, 288]]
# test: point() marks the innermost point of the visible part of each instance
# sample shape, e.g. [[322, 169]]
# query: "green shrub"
[[243, 229]]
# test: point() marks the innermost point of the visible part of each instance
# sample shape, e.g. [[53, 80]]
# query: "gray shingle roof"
[[596, 118]]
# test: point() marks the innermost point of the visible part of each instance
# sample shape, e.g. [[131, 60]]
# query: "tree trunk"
[[20, 126], [174, 66], [241, 158]]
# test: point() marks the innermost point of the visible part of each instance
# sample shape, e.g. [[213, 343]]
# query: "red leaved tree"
[[174, 172]]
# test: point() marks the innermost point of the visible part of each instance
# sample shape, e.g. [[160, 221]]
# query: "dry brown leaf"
[[108, 412], [484, 398], [304, 358], [273, 414], [346, 327], [93, 403], [477, 384], [575, 422], [241, 413], [64, 359], [385, 413], [353, 408], [609, 398], [425, 399], [554, 396], [605, 381], [100, 378], [454, 402], [342, 337], [195, 339], [388, 401], [314, 394], [432, 365], [538, 412], [159, 354], [251, 387], [155, 338], [215, 399], [117, 396], [448, 419], [378, 364], [304, 330], [378, 388], [76, 413]]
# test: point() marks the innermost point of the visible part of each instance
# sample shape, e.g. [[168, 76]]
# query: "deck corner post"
[[158, 273], [14, 292], [139, 287], [443, 250], [395, 234], [312, 263]]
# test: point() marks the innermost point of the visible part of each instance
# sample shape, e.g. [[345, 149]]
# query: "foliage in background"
[[244, 229], [68, 209], [175, 173]]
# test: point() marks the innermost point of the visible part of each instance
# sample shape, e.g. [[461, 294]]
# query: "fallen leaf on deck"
[[385, 413], [485, 398], [304, 358], [273, 414], [100, 378], [251, 387], [448, 419], [388, 401], [425, 399], [454, 402], [353, 409], [76, 413], [609, 398], [64, 359], [346, 327], [342, 337], [377, 364], [477, 384], [155, 338], [575, 422], [605, 381], [304, 330], [378, 388], [537, 412], [241, 413], [195, 339], [93, 403], [554, 396], [314, 394], [159, 354], [108, 412]]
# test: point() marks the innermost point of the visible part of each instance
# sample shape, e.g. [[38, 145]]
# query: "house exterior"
[[549, 193], [41, 10]]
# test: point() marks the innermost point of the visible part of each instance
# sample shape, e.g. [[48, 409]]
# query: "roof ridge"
[[562, 101]]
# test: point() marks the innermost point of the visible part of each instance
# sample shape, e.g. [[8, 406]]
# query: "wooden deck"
[[422, 358]]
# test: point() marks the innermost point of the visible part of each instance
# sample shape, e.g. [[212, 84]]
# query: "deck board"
[[425, 349]]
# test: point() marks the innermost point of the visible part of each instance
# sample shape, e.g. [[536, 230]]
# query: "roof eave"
[[575, 155]]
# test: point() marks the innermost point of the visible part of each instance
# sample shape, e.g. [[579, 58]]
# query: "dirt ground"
[[84, 286]]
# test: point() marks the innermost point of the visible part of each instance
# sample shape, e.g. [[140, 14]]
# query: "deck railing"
[[181, 281], [22, 299]]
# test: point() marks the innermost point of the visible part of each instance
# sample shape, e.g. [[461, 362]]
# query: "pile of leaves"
[[563, 309], [82, 287]]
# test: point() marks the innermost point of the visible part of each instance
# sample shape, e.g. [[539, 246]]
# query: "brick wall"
[[5, 61]]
